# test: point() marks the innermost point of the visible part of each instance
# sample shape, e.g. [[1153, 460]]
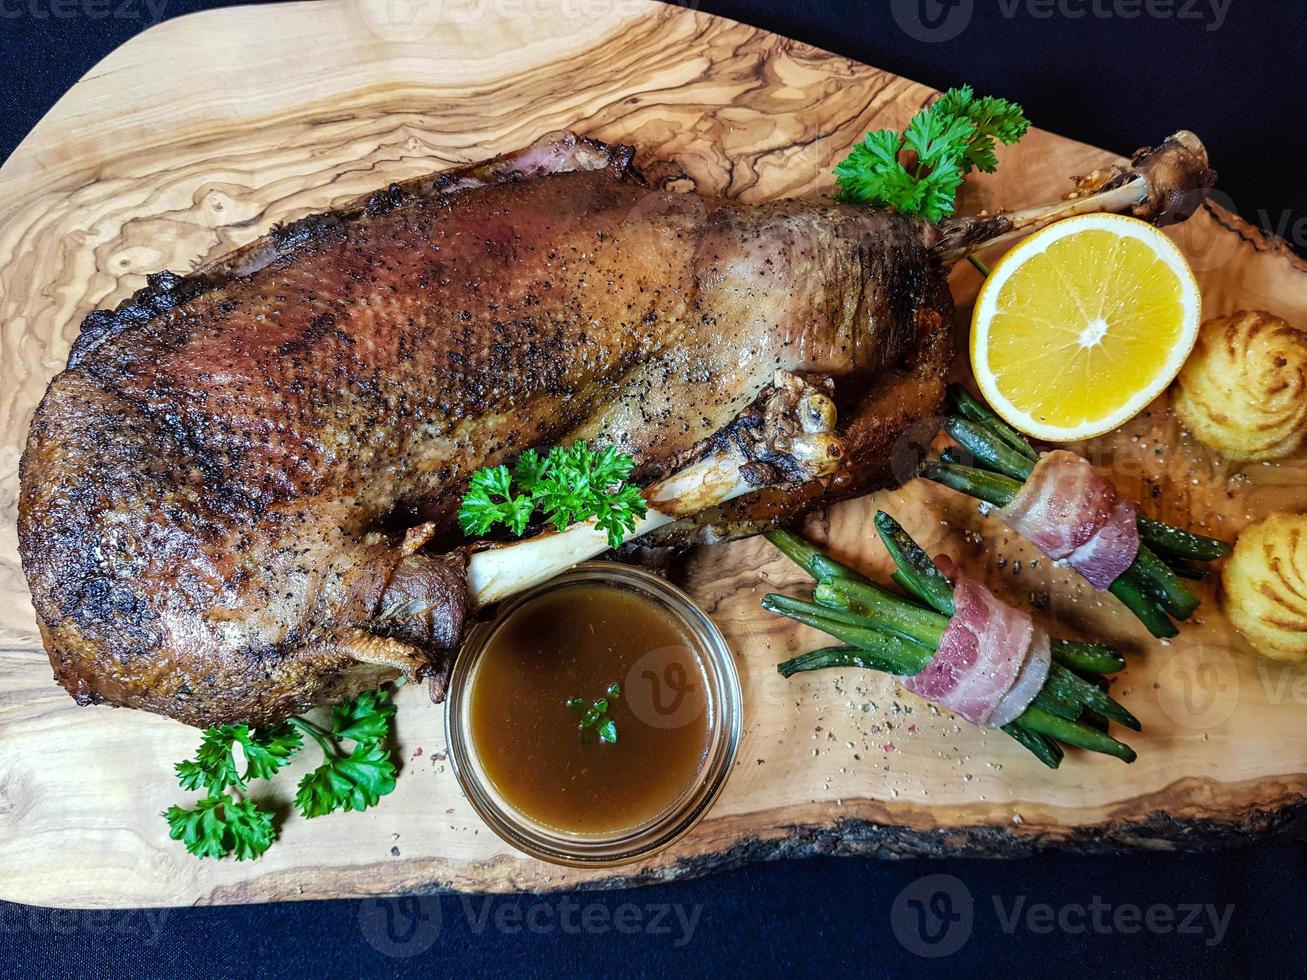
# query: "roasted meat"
[[243, 470]]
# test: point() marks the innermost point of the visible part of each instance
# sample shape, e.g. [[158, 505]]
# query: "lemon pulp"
[[1082, 324]]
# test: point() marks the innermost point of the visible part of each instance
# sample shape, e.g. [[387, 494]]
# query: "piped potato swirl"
[[1243, 390], [1266, 586]]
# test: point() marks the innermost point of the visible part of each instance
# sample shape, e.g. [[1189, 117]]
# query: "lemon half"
[[1082, 324]]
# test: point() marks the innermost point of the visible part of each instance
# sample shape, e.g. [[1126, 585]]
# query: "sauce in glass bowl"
[[540, 674], [595, 718]]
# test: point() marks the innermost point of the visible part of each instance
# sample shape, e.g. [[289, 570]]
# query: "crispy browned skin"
[[215, 492]]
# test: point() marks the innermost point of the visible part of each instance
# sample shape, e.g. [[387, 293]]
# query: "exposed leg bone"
[[785, 436], [1163, 184]]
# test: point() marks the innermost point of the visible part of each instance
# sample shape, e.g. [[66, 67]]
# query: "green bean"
[[1074, 688], [977, 411], [885, 611], [1178, 543], [1136, 599], [812, 560], [1139, 596], [1074, 733], [1091, 658], [838, 611], [1056, 704], [993, 488], [1163, 584], [836, 657], [881, 630], [908, 657], [988, 448], [1045, 749], [925, 579], [906, 584], [993, 451]]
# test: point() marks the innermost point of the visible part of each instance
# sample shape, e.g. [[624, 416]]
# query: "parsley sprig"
[[564, 488], [354, 780], [594, 717], [944, 142], [223, 824]]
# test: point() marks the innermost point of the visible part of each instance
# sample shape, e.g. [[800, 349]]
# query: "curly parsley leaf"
[[353, 782], [267, 750], [568, 486], [942, 143], [365, 718], [220, 825], [992, 118], [528, 470], [490, 500], [616, 514], [214, 769]]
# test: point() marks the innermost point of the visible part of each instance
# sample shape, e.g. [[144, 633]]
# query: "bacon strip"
[[981, 655], [1073, 514], [1029, 682]]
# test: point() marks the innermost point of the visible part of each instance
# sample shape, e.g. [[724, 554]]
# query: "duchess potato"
[[1243, 390], [1265, 582]]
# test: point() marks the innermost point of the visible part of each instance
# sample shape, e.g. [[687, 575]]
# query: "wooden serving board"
[[201, 133]]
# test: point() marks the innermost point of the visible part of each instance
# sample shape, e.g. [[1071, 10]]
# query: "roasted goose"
[[235, 497]]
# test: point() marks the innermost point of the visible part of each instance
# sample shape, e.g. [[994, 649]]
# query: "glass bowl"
[[724, 706]]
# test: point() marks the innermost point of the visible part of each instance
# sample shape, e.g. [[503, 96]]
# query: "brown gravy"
[[573, 642]]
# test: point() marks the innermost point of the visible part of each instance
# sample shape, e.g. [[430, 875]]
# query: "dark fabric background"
[[1105, 77]]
